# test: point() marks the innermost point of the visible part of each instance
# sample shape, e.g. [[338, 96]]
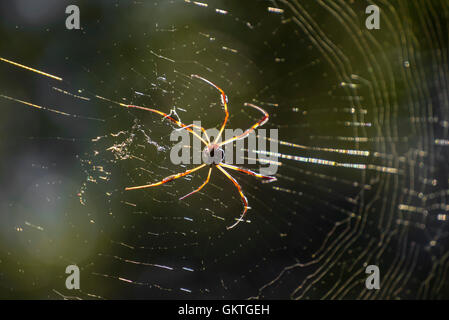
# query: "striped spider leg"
[[182, 126], [224, 102]]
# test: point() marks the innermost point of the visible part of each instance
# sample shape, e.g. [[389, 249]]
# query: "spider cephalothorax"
[[213, 154]]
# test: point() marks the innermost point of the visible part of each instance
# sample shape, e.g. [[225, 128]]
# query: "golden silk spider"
[[213, 154]]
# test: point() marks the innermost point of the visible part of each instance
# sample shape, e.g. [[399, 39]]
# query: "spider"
[[213, 154]]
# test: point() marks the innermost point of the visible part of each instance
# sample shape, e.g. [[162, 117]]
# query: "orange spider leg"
[[200, 187], [180, 124], [259, 123], [167, 179], [195, 126], [247, 171], [239, 188], [224, 101]]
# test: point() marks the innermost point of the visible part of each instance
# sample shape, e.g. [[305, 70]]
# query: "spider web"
[[362, 117]]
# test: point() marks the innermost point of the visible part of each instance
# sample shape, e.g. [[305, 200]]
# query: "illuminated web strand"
[[71, 94], [330, 162], [62, 113], [263, 161], [30, 69], [342, 151], [313, 160], [16, 64]]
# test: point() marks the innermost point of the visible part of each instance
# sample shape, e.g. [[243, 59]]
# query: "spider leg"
[[259, 123], [224, 101], [252, 173], [200, 187], [167, 179], [195, 126], [180, 124], [239, 188]]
